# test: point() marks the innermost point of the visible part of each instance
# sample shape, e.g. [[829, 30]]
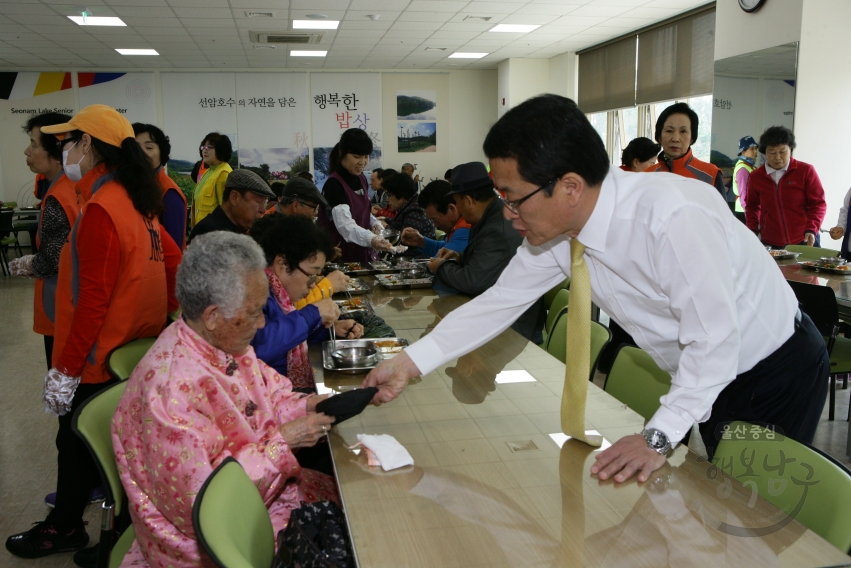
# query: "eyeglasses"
[[315, 208], [311, 278], [62, 143], [513, 206], [202, 148]]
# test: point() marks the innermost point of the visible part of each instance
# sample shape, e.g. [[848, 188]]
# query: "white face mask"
[[73, 171]]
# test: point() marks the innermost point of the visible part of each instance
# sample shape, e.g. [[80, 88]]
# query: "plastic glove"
[[22, 266], [380, 244], [377, 228], [399, 249], [59, 391]]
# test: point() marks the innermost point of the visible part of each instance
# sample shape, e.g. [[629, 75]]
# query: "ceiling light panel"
[[515, 28], [97, 21], [467, 55], [303, 53], [137, 51], [315, 24]]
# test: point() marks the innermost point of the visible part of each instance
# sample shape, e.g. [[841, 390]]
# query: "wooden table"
[[840, 284], [496, 484]]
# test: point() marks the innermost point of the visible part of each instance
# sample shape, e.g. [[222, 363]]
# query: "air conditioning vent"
[[435, 49], [253, 14], [264, 46], [478, 18], [284, 37]]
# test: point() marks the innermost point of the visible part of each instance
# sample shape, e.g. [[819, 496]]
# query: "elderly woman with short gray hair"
[[201, 395]]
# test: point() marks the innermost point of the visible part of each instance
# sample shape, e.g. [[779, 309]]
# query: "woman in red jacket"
[[785, 203]]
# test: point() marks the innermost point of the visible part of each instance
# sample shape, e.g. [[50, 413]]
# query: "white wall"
[[471, 114], [737, 32], [563, 75], [822, 107], [521, 79]]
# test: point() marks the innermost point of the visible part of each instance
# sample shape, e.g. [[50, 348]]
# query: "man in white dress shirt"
[[667, 262]]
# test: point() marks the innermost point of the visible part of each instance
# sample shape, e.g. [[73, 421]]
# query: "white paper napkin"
[[386, 451]]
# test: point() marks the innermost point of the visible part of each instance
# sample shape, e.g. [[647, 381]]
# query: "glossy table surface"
[[840, 283], [496, 484]]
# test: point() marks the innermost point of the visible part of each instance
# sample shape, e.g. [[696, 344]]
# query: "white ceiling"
[[215, 33]]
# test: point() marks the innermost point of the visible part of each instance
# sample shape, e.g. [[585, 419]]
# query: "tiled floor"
[[27, 453]]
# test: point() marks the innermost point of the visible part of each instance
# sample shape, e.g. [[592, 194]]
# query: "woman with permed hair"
[[348, 218], [785, 204]]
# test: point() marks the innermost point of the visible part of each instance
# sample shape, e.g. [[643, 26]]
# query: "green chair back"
[[551, 294], [124, 359], [120, 549], [438, 234], [10, 204], [818, 496], [231, 521], [637, 381], [93, 423], [812, 253], [557, 341], [558, 304]]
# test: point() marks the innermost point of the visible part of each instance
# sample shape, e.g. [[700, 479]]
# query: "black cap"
[[303, 189], [470, 177], [248, 180]]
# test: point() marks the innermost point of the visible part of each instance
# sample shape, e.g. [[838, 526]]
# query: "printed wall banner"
[[340, 101], [131, 94], [17, 86], [273, 123]]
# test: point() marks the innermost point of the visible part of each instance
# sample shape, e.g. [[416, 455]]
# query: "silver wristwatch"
[[658, 441]]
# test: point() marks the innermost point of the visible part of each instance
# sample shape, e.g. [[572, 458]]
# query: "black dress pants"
[[48, 350], [787, 390], [77, 473]]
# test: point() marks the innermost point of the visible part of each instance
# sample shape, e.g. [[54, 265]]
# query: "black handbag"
[[315, 537]]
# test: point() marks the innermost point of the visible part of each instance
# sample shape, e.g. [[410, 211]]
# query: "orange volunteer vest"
[[168, 184], [139, 302], [44, 308]]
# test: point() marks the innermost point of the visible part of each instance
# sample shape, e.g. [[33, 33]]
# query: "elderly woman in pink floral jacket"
[[201, 395]]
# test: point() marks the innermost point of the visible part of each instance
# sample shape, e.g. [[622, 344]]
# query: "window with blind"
[[673, 60], [607, 77], [676, 60]]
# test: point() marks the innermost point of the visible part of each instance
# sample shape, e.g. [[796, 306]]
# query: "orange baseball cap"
[[101, 121]]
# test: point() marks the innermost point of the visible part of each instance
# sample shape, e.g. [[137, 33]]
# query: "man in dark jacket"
[[492, 244]]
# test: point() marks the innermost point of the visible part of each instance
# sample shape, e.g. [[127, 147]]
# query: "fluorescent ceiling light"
[[97, 21], [315, 24], [514, 377], [137, 51], [308, 53], [514, 28], [466, 55]]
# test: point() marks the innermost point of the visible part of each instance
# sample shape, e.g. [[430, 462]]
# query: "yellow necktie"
[[578, 364]]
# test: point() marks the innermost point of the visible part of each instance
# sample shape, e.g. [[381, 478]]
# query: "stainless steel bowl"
[[355, 356], [414, 274], [392, 236], [331, 267], [838, 261]]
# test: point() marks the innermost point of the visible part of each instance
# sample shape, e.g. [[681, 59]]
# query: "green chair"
[[818, 496], [558, 305], [812, 253], [819, 302], [120, 549], [556, 344], [92, 422], [121, 362], [637, 381], [231, 521], [550, 296], [438, 234]]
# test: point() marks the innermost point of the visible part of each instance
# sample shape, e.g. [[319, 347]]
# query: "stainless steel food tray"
[[329, 364]]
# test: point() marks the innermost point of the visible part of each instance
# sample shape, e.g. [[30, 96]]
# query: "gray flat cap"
[[248, 180]]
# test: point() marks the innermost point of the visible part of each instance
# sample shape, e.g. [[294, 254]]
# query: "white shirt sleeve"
[[372, 220], [531, 273], [843, 213], [348, 229]]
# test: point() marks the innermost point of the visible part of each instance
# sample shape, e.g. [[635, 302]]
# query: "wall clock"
[[751, 5]]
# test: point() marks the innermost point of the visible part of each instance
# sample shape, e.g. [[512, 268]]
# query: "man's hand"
[[446, 254], [338, 252], [810, 239], [412, 237], [625, 457], [348, 329], [391, 376], [375, 209], [338, 280], [433, 264], [837, 233]]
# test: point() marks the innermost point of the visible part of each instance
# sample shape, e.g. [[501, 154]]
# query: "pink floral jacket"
[[186, 408]]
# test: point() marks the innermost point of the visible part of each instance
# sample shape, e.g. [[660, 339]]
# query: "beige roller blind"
[[607, 76], [676, 59]]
